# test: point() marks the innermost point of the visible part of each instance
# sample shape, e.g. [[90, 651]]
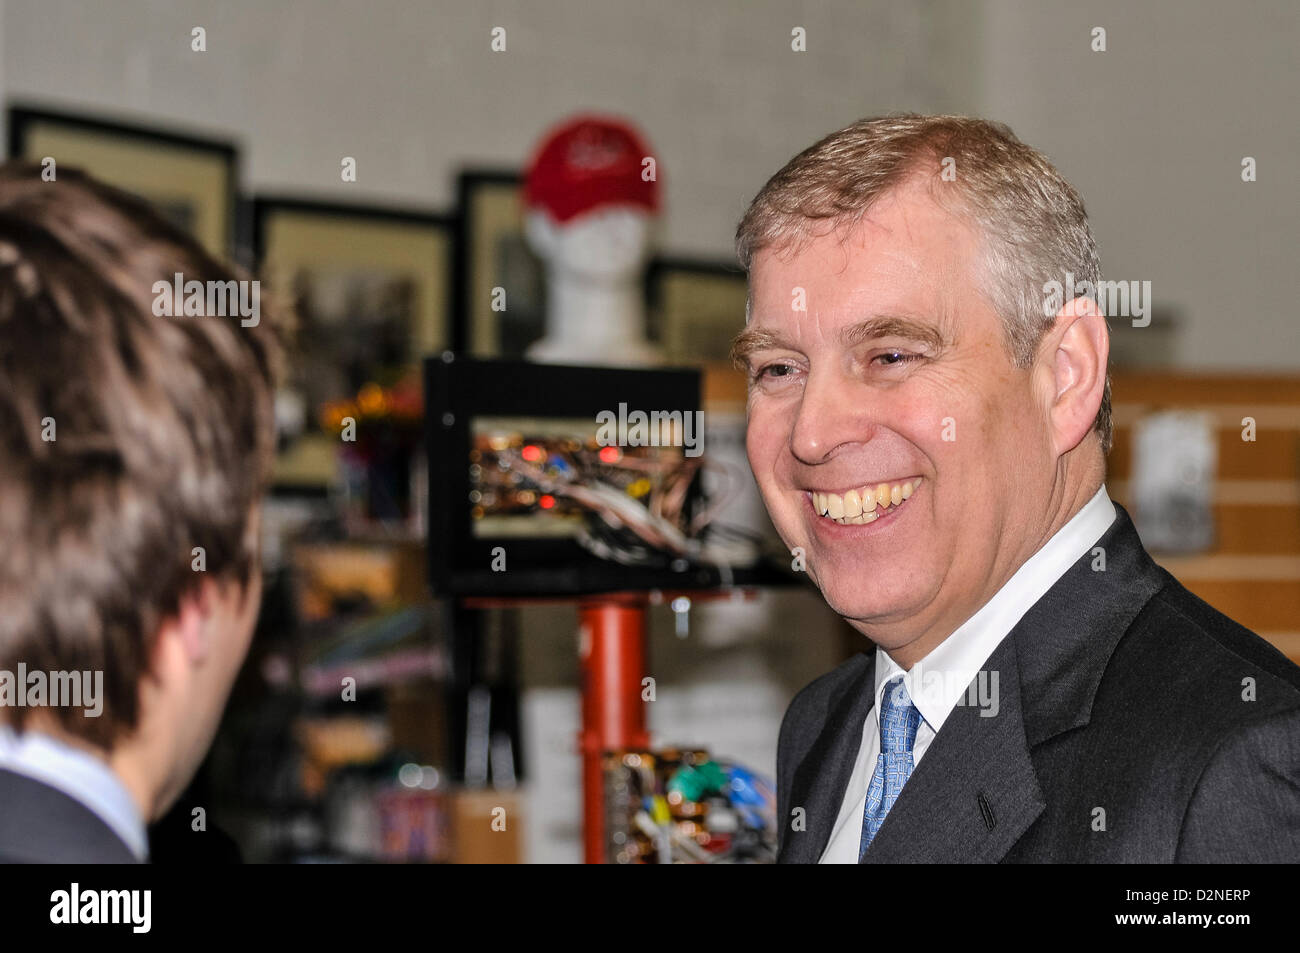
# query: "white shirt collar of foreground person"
[[80, 776], [938, 682]]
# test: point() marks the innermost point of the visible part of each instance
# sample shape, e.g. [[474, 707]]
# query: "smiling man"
[[933, 443]]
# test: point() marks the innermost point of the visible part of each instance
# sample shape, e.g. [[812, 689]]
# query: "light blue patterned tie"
[[899, 720]]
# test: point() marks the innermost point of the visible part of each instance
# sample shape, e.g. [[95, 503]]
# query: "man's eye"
[[892, 358], [769, 371]]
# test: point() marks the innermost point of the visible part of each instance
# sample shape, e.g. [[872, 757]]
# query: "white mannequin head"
[[595, 263], [591, 198], [610, 243]]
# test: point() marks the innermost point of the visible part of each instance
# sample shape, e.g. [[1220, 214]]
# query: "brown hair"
[[1033, 223], [162, 434]]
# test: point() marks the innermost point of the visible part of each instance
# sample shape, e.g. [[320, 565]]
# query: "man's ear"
[[1079, 366], [185, 633]]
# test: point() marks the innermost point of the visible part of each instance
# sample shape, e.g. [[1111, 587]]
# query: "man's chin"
[[867, 607]]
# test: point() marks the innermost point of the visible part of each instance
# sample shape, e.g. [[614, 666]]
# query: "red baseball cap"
[[586, 162]]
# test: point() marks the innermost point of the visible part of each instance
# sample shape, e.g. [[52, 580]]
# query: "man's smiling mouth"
[[865, 504]]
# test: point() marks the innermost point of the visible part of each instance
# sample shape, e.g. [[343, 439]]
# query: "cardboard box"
[[486, 827]]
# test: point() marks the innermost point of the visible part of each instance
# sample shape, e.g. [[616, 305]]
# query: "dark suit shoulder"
[[1224, 648], [1244, 808], [812, 703], [1192, 678], [805, 717], [41, 825]]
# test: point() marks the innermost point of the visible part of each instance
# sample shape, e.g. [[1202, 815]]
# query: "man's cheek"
[[778, 504], [763, 441]]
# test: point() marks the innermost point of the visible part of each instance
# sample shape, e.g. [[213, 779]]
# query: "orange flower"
[[372, 400]]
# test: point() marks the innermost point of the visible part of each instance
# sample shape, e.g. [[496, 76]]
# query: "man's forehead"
[[906, 225], [878, 272], [891, 297]]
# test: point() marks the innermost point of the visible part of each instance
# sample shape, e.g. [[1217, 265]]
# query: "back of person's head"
[[134, 447]]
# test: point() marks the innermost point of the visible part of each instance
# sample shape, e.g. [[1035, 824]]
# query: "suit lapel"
[[1066, 640], [823, 775], [975, 792]]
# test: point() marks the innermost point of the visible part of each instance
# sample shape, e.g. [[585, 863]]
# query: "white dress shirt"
[[80, 776], [940, 680]]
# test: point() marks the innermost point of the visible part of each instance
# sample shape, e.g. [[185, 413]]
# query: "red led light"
[[609, 454], [533, 453], [546, 502]]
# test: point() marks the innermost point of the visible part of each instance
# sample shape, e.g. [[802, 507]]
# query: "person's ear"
[[184, 635], [1079, 367]]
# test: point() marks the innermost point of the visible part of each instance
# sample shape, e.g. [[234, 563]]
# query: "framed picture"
[[192, 181], [371, 289], [494, 451], [491, 253], [696, 308]]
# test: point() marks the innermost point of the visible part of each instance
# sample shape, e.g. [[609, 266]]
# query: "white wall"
[[414, 91], [1152, 132]]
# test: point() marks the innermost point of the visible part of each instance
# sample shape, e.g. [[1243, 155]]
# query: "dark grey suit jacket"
[[1123, 735], [42, 825]]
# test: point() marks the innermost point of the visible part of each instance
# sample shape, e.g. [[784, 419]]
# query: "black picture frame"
[[695, 307], [459, 389], [293, 233], [489, 219], [160, 164], [263, 206]]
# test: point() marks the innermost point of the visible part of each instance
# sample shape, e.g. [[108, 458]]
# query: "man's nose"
[[828, 416]]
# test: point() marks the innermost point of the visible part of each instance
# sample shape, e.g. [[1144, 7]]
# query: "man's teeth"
[[865, 505]]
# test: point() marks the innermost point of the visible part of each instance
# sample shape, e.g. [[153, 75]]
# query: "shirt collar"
[[80, 776], [940, 680]]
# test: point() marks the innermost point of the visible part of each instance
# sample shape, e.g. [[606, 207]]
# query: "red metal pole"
[[612, 656]]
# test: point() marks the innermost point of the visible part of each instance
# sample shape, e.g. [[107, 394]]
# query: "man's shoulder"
[[1183, 657], [1219, 708], [41, 824], [806, 717], [1222, 645], [812, 703]]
